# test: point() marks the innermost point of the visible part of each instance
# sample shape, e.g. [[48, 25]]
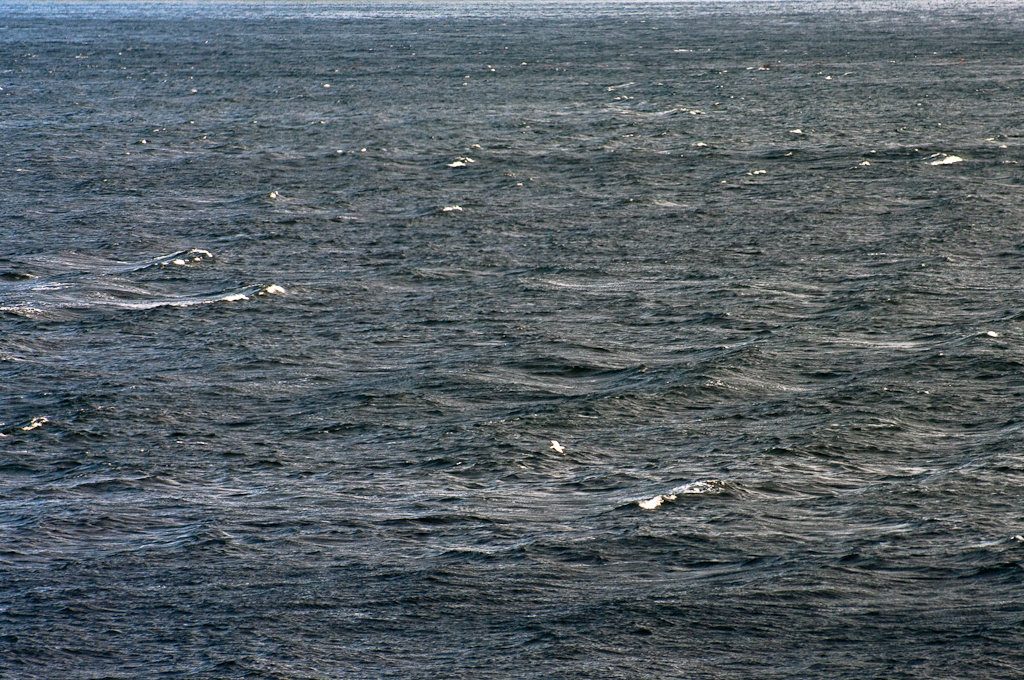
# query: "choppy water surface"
[[295, 299]]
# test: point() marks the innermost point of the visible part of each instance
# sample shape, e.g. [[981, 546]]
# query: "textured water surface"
[[295, 297]]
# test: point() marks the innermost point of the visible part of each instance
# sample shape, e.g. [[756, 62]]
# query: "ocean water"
[[295, 300]]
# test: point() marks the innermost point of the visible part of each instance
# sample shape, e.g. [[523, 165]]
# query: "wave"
[[700, 487], [44, 284]]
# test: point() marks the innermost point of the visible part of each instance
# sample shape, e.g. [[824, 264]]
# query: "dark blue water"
[[294, 299]]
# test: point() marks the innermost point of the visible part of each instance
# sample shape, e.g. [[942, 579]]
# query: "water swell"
[[82, 283]]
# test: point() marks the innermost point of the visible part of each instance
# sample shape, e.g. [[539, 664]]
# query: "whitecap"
[[946, 159], [79, 263], [655, 502], [698, 487], [180, 258], [38, 421], [21, 310], [188, 300]]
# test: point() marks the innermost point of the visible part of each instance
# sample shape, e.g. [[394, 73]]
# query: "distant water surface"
[[295, 297]]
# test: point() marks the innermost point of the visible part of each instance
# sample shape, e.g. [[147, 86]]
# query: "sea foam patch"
[[698, 487], [945, 159], [38, 421], [178, 259]]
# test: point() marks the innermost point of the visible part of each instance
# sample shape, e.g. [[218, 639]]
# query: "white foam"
[[946, 159], [274, 290], [796, 131], [655, 502], [182, 258], [701, 486], [187, 301], [451, 208], [38, 421], [992, 334], [698, 487]]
